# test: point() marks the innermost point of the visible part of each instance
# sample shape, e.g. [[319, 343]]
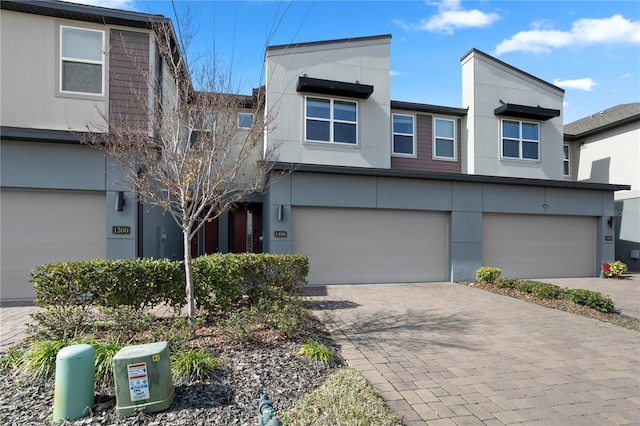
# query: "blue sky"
[[589, 48]]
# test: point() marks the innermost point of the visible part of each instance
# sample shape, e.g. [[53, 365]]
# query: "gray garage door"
[[539, 246], [371, 246], [44, 226]]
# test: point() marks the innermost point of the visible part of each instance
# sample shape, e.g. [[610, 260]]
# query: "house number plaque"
[[280, 234], [121, 230]]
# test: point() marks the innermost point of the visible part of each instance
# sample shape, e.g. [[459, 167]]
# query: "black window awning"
[[524, 111], [332, 87]]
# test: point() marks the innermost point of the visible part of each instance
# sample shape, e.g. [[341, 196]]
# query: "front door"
[[246, 228], [206, 241]]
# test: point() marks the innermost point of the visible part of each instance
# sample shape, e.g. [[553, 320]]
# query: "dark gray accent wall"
[[466, 202]]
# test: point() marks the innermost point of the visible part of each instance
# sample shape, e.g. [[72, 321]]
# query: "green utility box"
[[142, 374], [75, 383]]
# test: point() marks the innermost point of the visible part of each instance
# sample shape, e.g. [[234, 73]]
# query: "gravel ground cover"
[[230, 397]]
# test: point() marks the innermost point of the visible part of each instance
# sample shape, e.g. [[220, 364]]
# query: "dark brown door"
[[210, 234], [246, 228]]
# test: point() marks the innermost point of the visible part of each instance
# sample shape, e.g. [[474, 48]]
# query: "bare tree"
[[183, 149]]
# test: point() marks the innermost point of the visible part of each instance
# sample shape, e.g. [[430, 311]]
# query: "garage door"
[[528, 246], [371, 246], [44, 226]]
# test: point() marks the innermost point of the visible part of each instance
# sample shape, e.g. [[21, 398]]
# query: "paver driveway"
[[443, 353]]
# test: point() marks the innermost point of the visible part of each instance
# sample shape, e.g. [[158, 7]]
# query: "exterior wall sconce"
[[280, 212], [119, 201], [611, 221]]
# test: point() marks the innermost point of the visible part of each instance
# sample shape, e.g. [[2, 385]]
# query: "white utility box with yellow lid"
[[142, 374]]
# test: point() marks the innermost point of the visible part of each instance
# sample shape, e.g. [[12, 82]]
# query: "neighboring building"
[[64, 67], [379, 190], [392, 191], [605, 147]]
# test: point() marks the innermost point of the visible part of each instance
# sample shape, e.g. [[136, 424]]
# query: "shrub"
[[226, 280], [104, 353], [548, 291], [316, 351], [12, 359], [592, 299], [613, 269], [190, 364], [488, 274], [137, 283], [505, 282], [525, 286]]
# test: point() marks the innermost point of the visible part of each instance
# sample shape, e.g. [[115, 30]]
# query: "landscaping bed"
[[615, 318]]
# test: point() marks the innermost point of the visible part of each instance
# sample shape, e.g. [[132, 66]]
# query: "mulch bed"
[[565, 305]]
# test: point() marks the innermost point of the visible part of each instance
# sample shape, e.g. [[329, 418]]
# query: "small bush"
[[592, 299], [488, 274], [548, 291], [191, 364], [505, 283], [526, 286], [613, 269], [104, 353], [316, 351]]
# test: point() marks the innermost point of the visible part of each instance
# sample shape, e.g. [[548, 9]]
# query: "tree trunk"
[[188, 271]]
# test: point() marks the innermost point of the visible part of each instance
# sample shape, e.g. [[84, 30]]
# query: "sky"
[[589, 48]]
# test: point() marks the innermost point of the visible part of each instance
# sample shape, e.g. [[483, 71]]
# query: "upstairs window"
[[444, 139], [403, 135], [331, 120], [566, 163], [520, 140], [81, 61], [245, 120]]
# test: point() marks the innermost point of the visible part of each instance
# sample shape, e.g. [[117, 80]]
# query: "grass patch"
[[346, 399], [316, 351], [192, 364]]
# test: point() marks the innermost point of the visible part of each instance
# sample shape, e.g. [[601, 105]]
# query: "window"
[[245, 120], [520, 140], [81, 60], [566, 164], [403, 131], [444, 139], [201, 125], [331, 120]]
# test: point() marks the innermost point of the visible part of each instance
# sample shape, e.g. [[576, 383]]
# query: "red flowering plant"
[[613, 269]]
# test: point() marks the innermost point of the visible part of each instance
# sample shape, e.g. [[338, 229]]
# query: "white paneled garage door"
[[537, 246], [44, 226], [371, 246]]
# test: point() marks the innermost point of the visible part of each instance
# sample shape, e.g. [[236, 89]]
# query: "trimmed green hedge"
[[220, 281]]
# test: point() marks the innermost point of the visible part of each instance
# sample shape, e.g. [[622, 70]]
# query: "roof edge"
[[511, 67], [321, 42], [501, 180]]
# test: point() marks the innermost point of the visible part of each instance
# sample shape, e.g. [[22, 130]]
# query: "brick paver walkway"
[[446, 354]]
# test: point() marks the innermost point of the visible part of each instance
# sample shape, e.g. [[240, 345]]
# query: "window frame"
[[452, 139], [64, 59], [332, 121], [414, 152], [240, 126], [520, 140], [566, 160]]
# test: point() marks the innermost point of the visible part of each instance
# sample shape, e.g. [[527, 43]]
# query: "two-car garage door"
[[44, 226], [347, 245]]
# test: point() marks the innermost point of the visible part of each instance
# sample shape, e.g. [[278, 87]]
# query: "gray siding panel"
[[311, 189]]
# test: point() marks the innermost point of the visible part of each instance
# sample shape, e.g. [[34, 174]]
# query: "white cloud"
[[393, 73], [586, 84], [452, 17], [112, 4], [616, 29], [627, 75]]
